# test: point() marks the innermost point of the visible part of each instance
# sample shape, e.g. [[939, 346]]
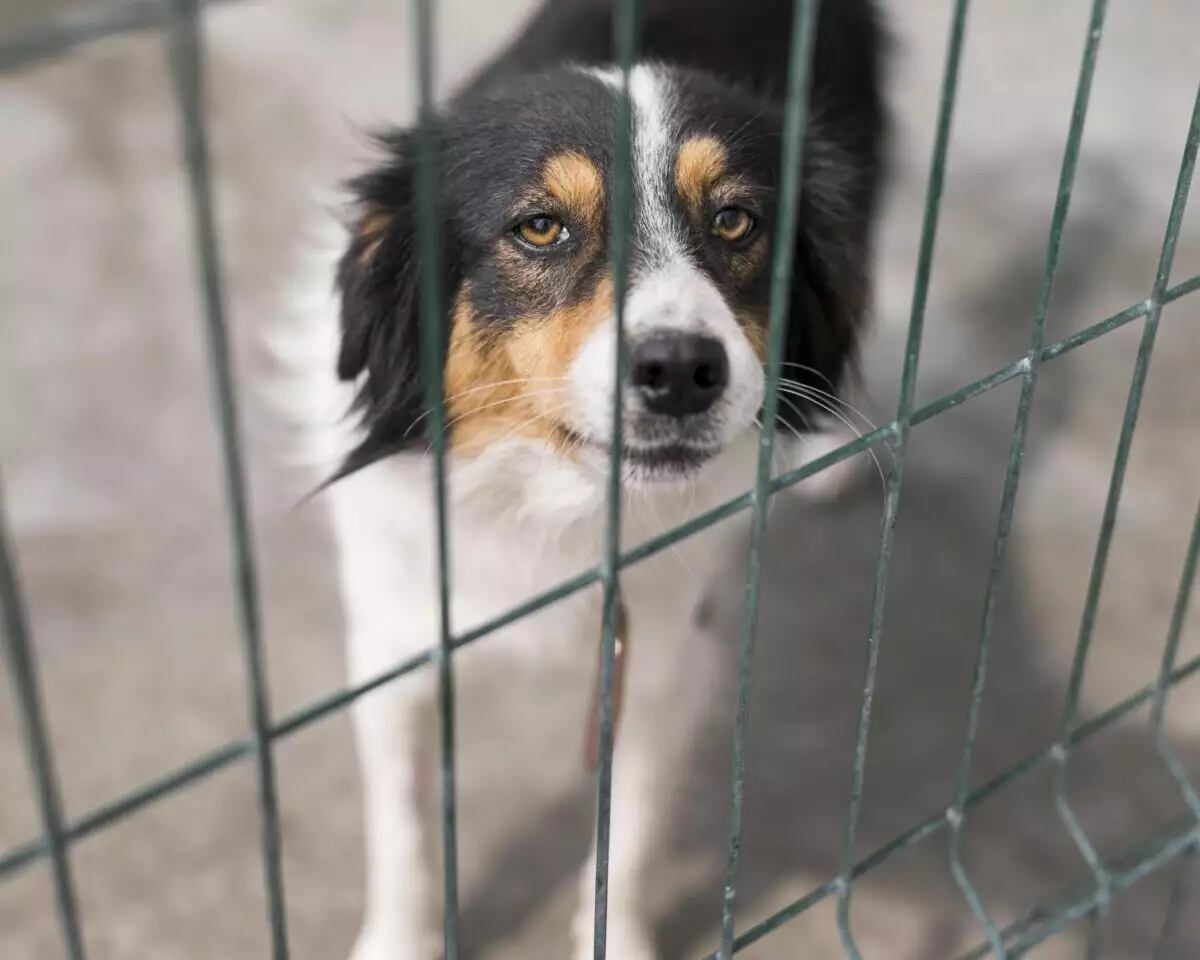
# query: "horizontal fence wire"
[[28, 853], [804, 24], [1012, 480], [1109, 518], [22, 670], [935, 824], [180, 19], [1050, 917], [185, 58], [1162, 691], [222, 757], [67, 31], [895, 478]]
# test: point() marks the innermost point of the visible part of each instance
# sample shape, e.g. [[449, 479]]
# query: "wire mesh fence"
[[1106, 878]]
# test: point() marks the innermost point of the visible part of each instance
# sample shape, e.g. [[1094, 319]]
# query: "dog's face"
[[527, 180]]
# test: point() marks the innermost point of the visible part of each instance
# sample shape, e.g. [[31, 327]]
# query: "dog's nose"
[[677, 374]]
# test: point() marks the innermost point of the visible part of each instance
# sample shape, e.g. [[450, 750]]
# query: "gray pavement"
[[111, 474]]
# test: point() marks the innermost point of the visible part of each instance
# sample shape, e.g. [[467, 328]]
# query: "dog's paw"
[[831, 483]]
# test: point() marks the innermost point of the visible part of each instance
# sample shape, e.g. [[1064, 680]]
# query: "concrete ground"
[[111, 480]]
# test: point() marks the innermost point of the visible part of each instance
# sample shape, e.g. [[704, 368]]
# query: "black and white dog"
[[526, 181]]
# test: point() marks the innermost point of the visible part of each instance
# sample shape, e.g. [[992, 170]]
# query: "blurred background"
[[112, 481]]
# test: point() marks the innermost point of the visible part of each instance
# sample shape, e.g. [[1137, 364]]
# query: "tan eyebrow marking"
[[700, 164], [575, 181]]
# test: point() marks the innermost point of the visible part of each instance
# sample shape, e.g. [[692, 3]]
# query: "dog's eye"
[[733, 224], [541, 231]]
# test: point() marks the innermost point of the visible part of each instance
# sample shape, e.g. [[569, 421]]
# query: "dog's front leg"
[[396, 917], [669, 668]]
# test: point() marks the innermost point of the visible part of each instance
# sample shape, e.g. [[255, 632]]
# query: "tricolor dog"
[[526, 179]]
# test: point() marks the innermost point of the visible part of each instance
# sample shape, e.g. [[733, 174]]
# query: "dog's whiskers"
[[833, 412], [493, 386], [805, 390], [505, 400], [520, 425], [807, 369]]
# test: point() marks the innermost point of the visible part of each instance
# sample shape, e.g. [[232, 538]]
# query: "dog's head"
[[526, 181]]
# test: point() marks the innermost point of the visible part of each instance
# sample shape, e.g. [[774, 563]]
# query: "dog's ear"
[[830, 294], [380, 305]]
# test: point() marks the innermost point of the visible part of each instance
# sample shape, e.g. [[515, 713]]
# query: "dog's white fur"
[[523, 520]]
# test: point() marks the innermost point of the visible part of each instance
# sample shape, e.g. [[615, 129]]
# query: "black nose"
[[677, 374]]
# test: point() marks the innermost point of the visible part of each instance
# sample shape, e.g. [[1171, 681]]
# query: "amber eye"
[[541, 231], [733, 224]]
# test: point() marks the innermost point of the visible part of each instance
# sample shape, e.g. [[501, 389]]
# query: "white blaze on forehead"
[[668, 292], [655, 134]]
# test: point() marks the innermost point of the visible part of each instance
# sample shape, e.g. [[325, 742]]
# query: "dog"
[[527, 167]]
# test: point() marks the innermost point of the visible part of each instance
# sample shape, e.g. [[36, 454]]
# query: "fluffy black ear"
[[380, 306], [830, 274]]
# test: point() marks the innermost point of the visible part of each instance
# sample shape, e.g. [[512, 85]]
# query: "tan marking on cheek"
[[575, 182], [512, 383], [482, 402], [546, 347], [700, 164]]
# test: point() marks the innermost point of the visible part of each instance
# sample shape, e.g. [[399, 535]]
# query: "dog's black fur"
[[526, 105]]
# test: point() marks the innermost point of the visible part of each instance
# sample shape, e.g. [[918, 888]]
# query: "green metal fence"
[[180, 22]]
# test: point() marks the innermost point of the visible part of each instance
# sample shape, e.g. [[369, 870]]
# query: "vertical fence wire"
[[626, 21], [1131, 866], [181, 21], [22, 670], [895, 479], [1112, 503], [1013, 475], [1129, 423], [185, 56], [1133, 404], [1162, 685], [804, 28], [433, 341]]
